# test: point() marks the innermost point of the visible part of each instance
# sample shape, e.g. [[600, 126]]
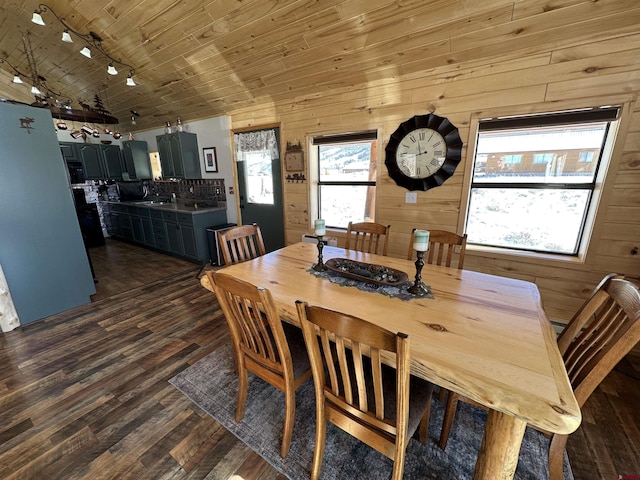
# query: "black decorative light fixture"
[[56, 102], [92, 40]]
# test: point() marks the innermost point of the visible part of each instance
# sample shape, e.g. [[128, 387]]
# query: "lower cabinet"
[[178, 233]]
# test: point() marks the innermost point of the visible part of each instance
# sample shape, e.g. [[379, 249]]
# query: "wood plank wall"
[[542, 56]]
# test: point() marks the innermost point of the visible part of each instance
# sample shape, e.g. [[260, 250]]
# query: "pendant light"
[[86, 52], [37, 18], [66, 37], [111, 70]]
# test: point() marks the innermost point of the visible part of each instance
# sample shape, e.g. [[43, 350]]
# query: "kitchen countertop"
[[175, 207]]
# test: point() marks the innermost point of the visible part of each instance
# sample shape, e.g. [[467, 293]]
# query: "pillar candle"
[[320, 228], [421, 240]]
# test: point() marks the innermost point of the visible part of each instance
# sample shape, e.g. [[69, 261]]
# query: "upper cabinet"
[[136, 159], [69, 152], [112, 161], [179, 155], [101, 161]]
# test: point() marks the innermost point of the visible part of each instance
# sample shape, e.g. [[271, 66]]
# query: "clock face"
[[421, 153]]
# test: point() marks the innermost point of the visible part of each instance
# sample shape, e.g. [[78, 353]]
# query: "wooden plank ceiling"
[[203, 58]]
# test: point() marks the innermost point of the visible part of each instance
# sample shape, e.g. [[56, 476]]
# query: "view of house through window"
[[347, 171], [533, 180]]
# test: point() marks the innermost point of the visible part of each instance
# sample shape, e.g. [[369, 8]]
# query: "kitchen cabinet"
[[180, 234], [91, 161], [167, 229], [69, 152], [160, 239], [71, 157], [179, 155], [136, 159], [113, 164], [101, 161]]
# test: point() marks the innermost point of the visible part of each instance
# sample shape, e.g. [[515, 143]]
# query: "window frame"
[[582, 115], [367, 136]]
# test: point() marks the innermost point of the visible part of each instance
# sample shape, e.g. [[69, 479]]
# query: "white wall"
[[211, 132]]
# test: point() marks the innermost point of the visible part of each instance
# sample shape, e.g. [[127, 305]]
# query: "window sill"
[[523, 256]]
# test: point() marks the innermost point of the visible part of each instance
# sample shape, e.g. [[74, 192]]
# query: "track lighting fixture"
[[92, 39], [37, 18], [17, 74]]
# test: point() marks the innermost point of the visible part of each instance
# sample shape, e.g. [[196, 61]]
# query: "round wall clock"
[[423, 152]]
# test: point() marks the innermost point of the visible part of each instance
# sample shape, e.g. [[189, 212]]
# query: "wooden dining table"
[[483, 336]]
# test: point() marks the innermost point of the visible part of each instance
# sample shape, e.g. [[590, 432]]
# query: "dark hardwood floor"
[[85, 394]]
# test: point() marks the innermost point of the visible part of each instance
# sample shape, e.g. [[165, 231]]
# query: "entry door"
[[260, 190]]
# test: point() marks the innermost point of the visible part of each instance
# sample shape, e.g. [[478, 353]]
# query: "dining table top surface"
[[484, 336]]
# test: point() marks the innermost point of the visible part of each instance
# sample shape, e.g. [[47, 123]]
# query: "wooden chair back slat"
[[443, 246], [346, 352], [367, 237], [260, 345], [242, 243], [600, 334], [245, 309]]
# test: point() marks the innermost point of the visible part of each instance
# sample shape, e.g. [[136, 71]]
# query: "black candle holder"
[[418, 288], [320, 266]]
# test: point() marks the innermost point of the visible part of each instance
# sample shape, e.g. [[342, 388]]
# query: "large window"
[[539, 203], [347, 171]]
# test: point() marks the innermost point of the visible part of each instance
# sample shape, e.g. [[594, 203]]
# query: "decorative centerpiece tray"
[[366, 272]]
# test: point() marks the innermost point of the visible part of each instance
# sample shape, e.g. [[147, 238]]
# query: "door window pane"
[[259, 177]]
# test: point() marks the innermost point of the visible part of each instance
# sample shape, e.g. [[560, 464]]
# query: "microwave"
[[76, 172]]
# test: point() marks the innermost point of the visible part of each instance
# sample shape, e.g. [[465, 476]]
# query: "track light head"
[[86, 52], [66, 37], [37, 18]]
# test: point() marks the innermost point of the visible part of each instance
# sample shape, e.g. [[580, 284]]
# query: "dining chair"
[[442, 247], [599, 335], [366, 236], [380, 405], [262, 344], [240, 244]]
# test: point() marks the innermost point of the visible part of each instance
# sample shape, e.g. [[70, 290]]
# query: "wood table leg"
[[498, 457]]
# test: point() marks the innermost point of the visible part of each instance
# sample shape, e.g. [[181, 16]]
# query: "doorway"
[[260, 183]]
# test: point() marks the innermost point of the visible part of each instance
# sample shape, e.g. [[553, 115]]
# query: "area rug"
[[212, 385]]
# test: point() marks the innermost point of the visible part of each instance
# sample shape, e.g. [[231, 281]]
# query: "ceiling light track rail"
[[92, 40]]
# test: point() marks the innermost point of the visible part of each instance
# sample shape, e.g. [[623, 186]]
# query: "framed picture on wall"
[[210, 159]]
